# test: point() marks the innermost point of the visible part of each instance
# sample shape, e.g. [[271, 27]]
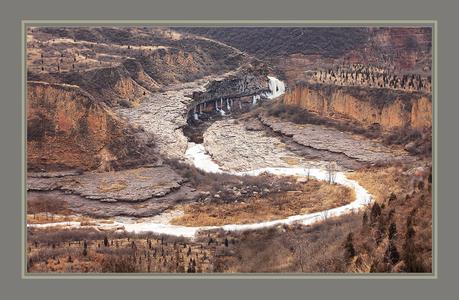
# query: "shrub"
[[118, 264], [125, 103]]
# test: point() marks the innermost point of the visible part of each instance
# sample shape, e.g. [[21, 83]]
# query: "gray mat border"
[[444, 287]]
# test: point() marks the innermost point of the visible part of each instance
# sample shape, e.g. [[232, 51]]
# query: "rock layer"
[[68, 129], [236, 148], [323, 138], [132, 185], [368, 106]]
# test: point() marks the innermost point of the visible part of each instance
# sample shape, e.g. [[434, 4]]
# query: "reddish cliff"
[[67, 128], [390, 109]]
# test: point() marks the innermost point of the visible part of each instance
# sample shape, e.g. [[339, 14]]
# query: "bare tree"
[[300, 250], [332, 168]]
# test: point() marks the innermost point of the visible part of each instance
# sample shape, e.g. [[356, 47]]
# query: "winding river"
[[197, 154]]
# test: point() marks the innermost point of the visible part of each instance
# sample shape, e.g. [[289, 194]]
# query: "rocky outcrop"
[[238, 149], [421, 113], [91, 207], [133, 185], [67, 128], [402, 49], [328, 139], [246, 82], [390, 109]]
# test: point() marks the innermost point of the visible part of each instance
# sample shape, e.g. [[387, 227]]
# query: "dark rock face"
[[247, 82]]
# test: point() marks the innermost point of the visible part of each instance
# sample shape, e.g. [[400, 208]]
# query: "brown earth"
[[311, 197]]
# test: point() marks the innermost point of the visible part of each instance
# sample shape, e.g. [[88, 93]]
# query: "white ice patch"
[[276, 86], [201, 159], [255, 99], [220, 110]]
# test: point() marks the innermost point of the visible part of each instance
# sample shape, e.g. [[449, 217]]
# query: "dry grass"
[[314, 196], [382, 182], [62, 252], [43, 218], [403, 194]]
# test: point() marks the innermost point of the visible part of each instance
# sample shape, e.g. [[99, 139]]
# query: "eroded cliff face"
[[388, 109], [421, 113], [68, 129], [247, 81]]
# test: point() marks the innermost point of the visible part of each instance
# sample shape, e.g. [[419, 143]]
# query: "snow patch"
[[276, 87]]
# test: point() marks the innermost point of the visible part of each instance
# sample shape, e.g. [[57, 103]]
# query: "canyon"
[[130, 127]]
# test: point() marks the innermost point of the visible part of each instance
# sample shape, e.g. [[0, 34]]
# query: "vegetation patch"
[[312, 196], [44, 218]]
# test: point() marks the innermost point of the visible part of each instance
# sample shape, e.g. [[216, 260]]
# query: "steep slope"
[[68, 129], [124, 65], [294, 50], [276, 41], [390, 109]]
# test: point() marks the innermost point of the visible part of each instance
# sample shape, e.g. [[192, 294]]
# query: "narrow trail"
[[198, 156]]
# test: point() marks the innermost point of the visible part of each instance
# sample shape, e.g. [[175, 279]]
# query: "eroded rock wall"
[[246, 82], [68, 129], [387, 108]]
